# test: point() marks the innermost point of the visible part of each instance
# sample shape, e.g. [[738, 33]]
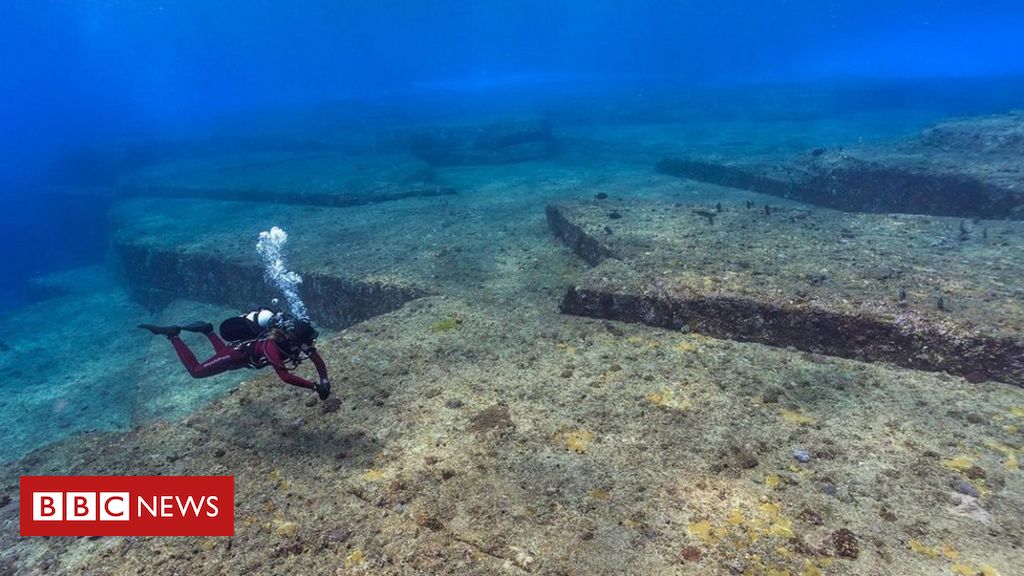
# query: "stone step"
[[315, 178], [921, 292], [206, 251], [968, 167]]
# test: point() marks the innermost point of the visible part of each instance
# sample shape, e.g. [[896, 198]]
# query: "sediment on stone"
[[156, 277], [787, 279]]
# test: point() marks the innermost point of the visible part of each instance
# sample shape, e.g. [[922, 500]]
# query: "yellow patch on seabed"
[[356, 558], [1017, 411], [579, 440], [772, 480], [685, 347], [598, 494], [641, 341], [705, 531], [810, 569], [949, 552], [372, 475], [735, 517], [1009, 451], [782, 527], [571, 350], [285, 529], [447, 325], [667, 399], [771, 509], [1011, 462], [796, 417], [959, 463], [919, 548], [969, 570]]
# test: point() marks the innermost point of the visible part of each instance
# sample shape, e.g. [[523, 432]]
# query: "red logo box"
[[127, 506]]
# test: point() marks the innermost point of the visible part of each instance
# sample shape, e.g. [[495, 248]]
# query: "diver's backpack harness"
[[243, 333]]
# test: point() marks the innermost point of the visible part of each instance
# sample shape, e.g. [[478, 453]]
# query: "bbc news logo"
[[127, 506]]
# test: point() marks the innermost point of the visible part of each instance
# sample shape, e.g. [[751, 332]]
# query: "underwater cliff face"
[[602, 287]]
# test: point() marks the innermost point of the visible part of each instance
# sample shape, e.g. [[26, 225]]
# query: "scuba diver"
[[257, 339]]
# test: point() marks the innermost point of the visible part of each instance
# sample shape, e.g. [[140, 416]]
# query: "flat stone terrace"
[[923, 292]]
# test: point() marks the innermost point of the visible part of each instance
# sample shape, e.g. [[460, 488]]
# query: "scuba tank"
[[242, 332], [248, 326]]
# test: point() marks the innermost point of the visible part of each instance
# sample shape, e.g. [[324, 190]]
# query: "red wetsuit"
[[227, 358]]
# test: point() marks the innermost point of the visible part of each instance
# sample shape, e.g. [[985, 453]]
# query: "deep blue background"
[[83, 73]]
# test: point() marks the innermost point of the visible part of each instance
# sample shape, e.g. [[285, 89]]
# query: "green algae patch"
[[797, 417], [959, 463], [1009, 452], [447, 324]]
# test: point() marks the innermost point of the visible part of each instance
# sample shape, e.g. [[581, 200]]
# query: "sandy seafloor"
[[479, 431]]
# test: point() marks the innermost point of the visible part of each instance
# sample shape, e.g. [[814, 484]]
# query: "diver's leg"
[[225, 359], [207, 328], [169, 331], [200, 326], [218, 344]]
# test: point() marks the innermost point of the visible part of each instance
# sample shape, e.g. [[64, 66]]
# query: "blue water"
[[79, 79]]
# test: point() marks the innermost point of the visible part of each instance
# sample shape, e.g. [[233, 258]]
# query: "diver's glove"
[[323, 388]]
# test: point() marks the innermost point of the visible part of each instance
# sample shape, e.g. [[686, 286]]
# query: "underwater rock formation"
[[204, 251], [155, 277], [969, 168], [320, 178], [855, 286], [497, 143]]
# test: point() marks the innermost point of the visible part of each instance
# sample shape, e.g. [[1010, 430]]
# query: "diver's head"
[[303, 332], [297, 331]]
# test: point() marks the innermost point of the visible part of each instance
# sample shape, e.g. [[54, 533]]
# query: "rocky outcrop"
[[967, 168], [157, 276], [331, 179], [873, 288]]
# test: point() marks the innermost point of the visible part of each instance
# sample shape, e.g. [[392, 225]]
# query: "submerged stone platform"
[[922, 292], [316, 178], [491, 143], [205, 250], [966, 167]]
